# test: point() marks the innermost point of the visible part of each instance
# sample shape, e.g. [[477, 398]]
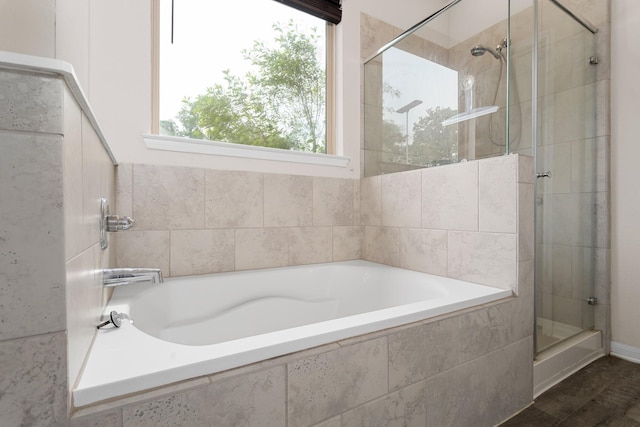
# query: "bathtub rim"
[[89, 395]]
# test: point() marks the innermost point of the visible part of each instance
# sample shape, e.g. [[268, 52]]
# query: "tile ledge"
[[20, 62]]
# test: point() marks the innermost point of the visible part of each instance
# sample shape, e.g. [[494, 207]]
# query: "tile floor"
[[604, 393]]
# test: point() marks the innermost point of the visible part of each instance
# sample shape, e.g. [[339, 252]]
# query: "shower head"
[[479, 50]]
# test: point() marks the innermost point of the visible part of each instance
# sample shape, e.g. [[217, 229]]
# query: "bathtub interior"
[[246, 329], [221, 307]]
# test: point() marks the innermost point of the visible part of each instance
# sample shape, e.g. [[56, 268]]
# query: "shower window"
[[418, 96], [437, 94]]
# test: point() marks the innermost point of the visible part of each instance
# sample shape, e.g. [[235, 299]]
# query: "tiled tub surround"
[[472, 367], [53, 171], [197, 221], [468, 367], [36, 387]]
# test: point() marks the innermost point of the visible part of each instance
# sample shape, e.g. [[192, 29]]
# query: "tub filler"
[[192, 326]]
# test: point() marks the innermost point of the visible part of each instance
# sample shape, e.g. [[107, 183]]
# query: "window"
[[250, 72]]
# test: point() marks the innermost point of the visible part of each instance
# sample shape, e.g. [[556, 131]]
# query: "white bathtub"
[[193, 326]]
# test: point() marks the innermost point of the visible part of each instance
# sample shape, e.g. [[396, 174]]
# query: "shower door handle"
[[546, 174]]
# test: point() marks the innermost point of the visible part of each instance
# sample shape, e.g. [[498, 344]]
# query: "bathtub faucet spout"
[[125, 276]]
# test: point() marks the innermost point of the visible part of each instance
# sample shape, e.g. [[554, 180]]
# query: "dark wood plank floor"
[[604, 393]]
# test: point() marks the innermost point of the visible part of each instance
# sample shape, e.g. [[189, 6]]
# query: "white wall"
[[109, 45], [625, 172], [120, 54]]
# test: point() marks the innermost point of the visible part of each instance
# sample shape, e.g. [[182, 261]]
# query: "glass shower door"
[[571, 184]]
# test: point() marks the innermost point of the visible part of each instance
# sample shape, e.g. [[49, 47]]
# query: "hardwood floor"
[[604, 393]]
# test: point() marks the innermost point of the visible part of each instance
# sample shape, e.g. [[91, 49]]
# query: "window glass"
[[252, 72], [418, 96]]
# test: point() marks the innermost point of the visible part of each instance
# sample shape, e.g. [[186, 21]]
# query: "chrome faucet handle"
[[111, 223], [119, 223], [115, 319]]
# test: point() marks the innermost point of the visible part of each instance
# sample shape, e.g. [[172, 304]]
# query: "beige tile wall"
[[470, 367], [197, 221], [89, 175], [469, 221], [53, 173], [32, 276]]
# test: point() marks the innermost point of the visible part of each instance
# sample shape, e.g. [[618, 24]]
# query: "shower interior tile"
[[589, 165], [374, 33]]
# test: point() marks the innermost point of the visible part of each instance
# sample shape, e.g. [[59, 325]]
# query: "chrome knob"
[[111, 223], [119, 223]]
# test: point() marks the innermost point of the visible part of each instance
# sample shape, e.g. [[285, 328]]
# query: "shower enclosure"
[[438, 93], [571, 196], [482, 79]]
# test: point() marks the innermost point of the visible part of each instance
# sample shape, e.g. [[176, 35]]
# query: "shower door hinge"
[[594, 60], [592, 301]]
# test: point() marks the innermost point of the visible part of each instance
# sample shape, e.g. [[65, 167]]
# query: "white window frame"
[[155, 141]]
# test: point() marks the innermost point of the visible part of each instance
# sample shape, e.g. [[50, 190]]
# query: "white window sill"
[[214, 148]]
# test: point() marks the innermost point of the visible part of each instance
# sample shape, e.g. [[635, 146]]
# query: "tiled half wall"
[[197, 221], [53, 172], [471, 221], [463, 221]]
